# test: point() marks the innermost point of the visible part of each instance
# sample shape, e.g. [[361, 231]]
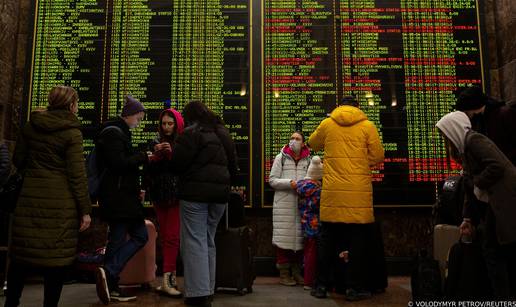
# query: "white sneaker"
[[118, 295]]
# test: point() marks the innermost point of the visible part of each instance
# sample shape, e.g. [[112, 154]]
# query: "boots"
[[296, 274], [169, 285], [285, 278]]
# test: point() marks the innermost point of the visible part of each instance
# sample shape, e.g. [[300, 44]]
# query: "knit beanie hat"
[[131, 106], [471, 98], [315, 170]]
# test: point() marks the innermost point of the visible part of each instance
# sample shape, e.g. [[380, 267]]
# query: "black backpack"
[[95, 174], [450, 201], [425, 279], [467, 273]]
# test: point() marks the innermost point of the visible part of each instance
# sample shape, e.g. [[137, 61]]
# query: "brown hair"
[[62, 97]]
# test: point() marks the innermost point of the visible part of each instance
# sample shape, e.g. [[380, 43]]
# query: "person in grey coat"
[[494, 179]]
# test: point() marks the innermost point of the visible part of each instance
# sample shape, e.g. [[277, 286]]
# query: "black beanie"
[[471, 98]]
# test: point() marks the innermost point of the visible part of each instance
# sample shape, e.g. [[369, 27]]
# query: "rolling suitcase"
[[445, 236], [141, 269], [234, 267]]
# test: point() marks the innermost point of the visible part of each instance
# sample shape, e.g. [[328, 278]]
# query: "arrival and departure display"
[[161, 52], [404, 60]]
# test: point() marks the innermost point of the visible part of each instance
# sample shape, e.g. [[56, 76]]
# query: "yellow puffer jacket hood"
[[347, 115], [351, 147]]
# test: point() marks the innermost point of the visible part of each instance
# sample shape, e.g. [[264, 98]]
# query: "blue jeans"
[[119, 249], [198, 226]]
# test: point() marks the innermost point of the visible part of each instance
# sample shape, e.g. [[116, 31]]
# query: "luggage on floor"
[[235, 252], [87, 263], [444, 238], [141, 269], [425, 279], [236, 210], [467, 277]]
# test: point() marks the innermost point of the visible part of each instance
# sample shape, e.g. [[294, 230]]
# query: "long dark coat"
[[493, 172], [54, 194]]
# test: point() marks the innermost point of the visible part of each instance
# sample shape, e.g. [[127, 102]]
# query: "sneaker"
[[307, 288], [319, 292], [357, 295], [118, 295], [102, 285]]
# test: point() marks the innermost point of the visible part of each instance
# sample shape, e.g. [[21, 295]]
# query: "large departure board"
[[404, 60], [161, 52]]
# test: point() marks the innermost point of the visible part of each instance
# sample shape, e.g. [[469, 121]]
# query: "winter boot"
[[285, 278], [169, 285], [296, 274]]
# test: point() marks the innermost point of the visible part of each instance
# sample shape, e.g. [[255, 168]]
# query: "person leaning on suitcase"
[[120, 198], [494, 178], [204, 157]]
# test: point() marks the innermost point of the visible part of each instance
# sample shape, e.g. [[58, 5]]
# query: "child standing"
[[309, 191]]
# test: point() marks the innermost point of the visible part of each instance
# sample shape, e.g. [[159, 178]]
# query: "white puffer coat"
[[286, 232]]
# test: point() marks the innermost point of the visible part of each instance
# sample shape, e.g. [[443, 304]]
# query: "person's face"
[[297, 137], [168, 125], [134, 120]]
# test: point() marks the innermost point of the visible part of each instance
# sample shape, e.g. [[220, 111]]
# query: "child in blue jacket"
[[309, 190]]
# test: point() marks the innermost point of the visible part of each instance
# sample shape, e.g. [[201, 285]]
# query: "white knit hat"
[[315, 170]]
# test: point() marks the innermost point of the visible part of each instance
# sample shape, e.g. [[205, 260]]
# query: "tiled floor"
[[266, 293]]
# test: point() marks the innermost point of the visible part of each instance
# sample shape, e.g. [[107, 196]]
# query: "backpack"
[[450, 201], [467, 273], [425, 279], [95, 175]]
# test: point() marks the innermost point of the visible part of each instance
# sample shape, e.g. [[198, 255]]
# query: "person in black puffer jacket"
[[161, 185], [120, 197], [204, 157]]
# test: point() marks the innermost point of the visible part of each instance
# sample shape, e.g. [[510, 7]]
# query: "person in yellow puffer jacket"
[[352, 146]]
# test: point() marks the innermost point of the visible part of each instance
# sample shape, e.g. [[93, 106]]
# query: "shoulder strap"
[[111, 128]]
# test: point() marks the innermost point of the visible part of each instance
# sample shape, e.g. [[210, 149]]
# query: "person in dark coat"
[[492, 118], [494, 179], [161, 187], [5, 164], [204, 157], [54, 205], [120, 198]]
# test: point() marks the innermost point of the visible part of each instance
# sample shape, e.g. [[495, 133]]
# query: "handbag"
[[10, 192]]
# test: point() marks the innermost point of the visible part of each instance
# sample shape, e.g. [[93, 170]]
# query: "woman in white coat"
[[290, 165]]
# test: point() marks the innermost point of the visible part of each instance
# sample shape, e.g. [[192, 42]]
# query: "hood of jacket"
[[180, 123], [54, 120], [347, 115], [455, 126]]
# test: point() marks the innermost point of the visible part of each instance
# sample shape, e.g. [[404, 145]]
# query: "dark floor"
[[266, 293]]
